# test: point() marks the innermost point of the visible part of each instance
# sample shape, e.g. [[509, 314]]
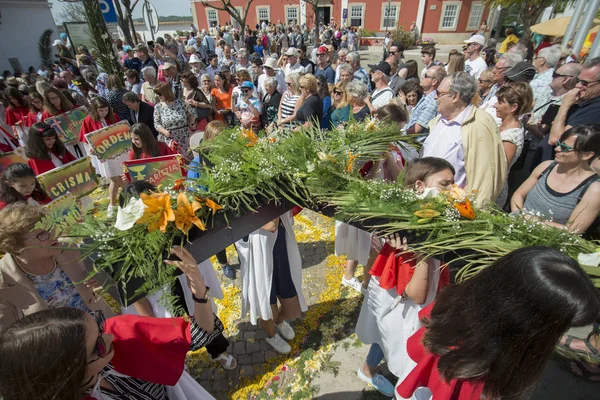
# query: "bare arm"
[[415, 129], [510, 149], [518, 198], [418, 285], [271, 226]]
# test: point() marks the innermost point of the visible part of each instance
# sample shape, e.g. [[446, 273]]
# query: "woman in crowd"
[[271, 270], [452, 356], [326, 99], [108, 358], [36, 108], [514, 99], [292, 100], [43, 274], [173, 119], [101, 116], [340, 109], [116, 90], [196, 98], [410, 94], [16, 114], [55, 103], [18, 184], [133, 79], [412, 71], [45, 150], [346, 74], [247, 108], [311, 111], [389, 313], [456, 63], [565, 190], [271, 102], [282, 62], [484, 85], [150, 82], [358, 97], [511, 40], [222, 94], [145, 145]]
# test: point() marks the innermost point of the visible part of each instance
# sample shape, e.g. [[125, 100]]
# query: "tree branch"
[[226, 6]]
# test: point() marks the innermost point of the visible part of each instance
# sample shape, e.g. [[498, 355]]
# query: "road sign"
[[150, 18], [108, 10]]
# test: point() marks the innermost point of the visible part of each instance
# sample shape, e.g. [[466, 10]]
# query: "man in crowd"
[[67, 76], [360, 74], [220, 50], [382, 94], [581, 105], [227, 58], [213, 66], [172, 76], [342, 53], [140, 112], [242, 56], [396, 81], [208, 42], [270, 71], [474, 63], [544, 64], [132, 62], [467, 138], [504, 63], [323, 65], [426, 108], [306, 63], [141, 52], [293, 65], [397, 51]]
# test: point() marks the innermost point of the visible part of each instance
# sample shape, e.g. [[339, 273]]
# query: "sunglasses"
[[557, 75], [484, 81], [100, 348], [288, 83], [587, 83], [321, 54], [338, 92], [246, 90], [42, 236], [392, 52], [563, 147]]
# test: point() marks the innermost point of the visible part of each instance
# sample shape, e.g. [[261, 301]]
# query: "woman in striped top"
[[291, 101], [566, 191]]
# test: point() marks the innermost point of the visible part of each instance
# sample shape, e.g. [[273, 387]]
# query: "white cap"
[[271, 63], [57, 42], [291, 52], [479, 39], [194, 59]]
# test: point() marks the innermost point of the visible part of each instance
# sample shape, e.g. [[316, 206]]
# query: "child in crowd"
[[45, 150], [18, 183]]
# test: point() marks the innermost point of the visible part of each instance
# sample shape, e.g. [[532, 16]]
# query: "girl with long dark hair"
[[492, 335], [16, 114], [145, 145], [18, 183], [55, 103], [101, 116], [36, 108], [45, 150]]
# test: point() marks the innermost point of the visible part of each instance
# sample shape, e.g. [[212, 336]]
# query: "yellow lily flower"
[[158, 211], [185, 215], [212, 205]]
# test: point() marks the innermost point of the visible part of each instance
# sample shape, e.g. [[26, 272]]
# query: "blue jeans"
[[375, 355]]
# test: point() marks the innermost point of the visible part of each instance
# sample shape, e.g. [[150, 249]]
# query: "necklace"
[[31, 273]]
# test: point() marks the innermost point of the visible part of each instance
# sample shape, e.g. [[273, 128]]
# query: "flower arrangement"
[[427, 41]]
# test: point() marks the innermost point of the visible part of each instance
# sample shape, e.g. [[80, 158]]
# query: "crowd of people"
[[514, 127]]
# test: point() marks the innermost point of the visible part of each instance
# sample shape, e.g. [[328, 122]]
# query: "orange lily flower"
[[251, 136], [158, 211], [185, 215], [350, 163], [212, 205], [179, 184], [465, 208]]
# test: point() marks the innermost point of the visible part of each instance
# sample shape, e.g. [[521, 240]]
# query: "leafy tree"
[[45, 48], [239, 17], [529, 11]]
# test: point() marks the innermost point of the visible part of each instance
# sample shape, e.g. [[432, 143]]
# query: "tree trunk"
[[123, 23], [530, 17], [133, 32], [316, 21]]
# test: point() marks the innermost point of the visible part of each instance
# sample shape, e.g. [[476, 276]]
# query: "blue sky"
[[164, 7]]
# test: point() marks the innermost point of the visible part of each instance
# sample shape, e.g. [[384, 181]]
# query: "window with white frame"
[[390, 13], [450, 13], [291, 15], [356, 15], [475, 16], [212, 17], [263, 14]]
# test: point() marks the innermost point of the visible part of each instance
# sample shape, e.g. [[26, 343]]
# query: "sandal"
[[230, 362], [592, 354]]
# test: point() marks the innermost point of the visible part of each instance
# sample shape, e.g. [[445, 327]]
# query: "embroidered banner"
[[163, 170], [11, 158], [110, 142], [78, 177], [68, 125], [64, 205]]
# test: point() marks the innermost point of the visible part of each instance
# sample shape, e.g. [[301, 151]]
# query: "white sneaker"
[[110, 211], [352, 283], [286, 330], [280, 345]]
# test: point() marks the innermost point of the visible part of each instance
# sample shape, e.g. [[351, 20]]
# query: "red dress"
[[32, 118], [15, 115], [426, 373], [91, 125], [164, 149], [46, 114], [40, 166], [41, 198]]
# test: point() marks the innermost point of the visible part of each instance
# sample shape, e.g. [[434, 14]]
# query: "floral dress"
[[58, 290], [174, 117]]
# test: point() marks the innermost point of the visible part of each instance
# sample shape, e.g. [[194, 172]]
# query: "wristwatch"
[[203, 300]]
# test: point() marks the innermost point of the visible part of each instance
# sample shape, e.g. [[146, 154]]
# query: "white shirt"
[[445, 142], [475, 67], [380, 100], [291, 69]]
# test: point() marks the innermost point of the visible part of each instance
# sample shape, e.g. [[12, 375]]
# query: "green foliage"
[[45, 47], [367, 33], [404, 37], [182, 33], [100, 37]]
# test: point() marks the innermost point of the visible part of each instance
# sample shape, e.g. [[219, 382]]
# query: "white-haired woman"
[[150, 82], [271, 102], [292, 100], [358, 94]]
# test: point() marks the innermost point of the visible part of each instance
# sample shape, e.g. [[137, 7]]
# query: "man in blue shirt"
[[353, 58], [323, 66], [426, 108]]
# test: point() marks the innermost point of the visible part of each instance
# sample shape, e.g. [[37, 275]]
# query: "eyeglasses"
[[557, 75], [440, 94], [392, 52], [321, 54], [484, 81], [563, 147], [288, 83], [587, 83], [427, 77], [500, 68], [100, 347]]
